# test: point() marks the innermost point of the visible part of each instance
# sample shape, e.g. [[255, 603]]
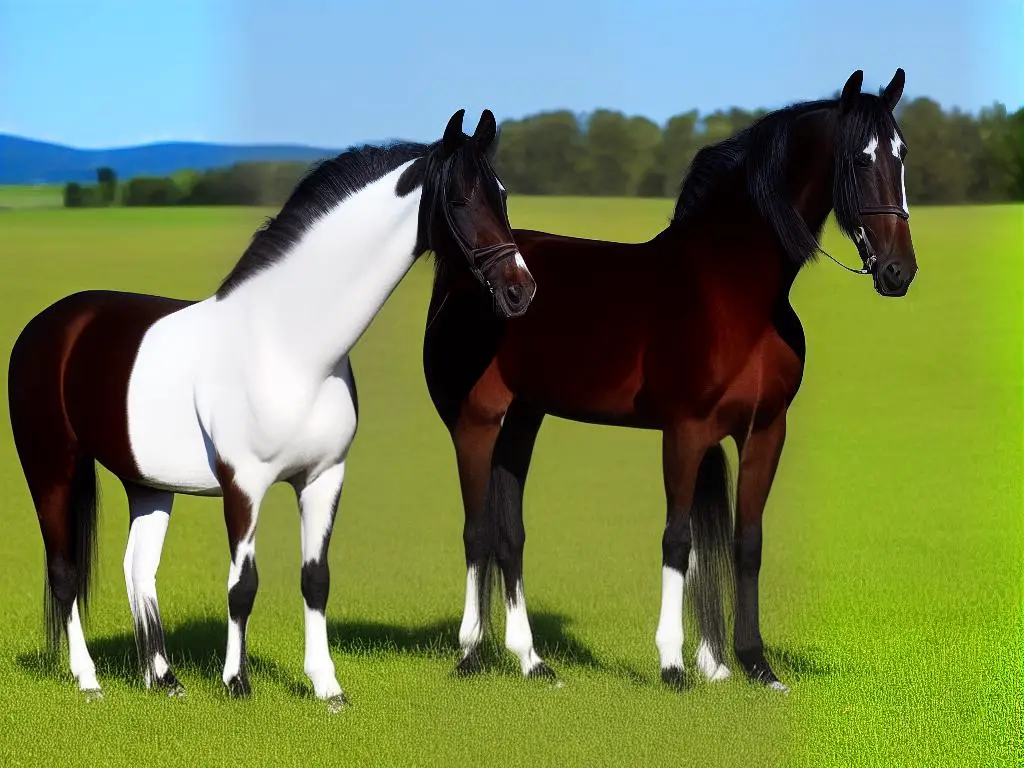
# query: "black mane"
[[323, 187], [758, 156]]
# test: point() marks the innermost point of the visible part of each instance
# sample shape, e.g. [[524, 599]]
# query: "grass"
[[31, 196], [894, 542]]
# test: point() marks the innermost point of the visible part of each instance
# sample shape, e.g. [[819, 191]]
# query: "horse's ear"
[[851, 90], [894, 90], [453, 134], [485, 130]]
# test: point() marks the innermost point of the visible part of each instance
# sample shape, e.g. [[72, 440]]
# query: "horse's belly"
[[165, 435]]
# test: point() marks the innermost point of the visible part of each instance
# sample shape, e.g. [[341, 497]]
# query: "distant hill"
[[26, 161]]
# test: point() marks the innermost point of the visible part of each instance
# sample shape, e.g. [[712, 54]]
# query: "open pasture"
[[31, 196], [893, 568]]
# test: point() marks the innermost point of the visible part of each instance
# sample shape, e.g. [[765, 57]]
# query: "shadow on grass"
[[195, 647], [799, 663], [440, 640]]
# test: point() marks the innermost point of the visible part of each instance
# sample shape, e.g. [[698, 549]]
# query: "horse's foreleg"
[[150, 512], [242, 498], [759, 459], [510, 464], [318, 504]]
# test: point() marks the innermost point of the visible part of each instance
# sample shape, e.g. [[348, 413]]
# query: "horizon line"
[[296, 144]]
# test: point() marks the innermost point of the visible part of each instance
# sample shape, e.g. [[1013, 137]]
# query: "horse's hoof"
[[758, 670], [469, 665], [170, 685], [92, 694], [238, 688], [336, 703], [675, 678], [541, 671]]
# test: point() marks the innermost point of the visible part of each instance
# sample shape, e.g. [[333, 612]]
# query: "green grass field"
[[31, 196], [891, 589]]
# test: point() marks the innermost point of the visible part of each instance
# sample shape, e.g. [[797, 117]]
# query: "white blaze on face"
[[870, 148], [897, 145]]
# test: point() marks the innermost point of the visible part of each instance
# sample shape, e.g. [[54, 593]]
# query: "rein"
[[868, 255]]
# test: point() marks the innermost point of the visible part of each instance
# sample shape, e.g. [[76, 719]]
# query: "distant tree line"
[[956, 157]]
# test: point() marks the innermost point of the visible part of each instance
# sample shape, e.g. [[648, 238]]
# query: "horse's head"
[[469, 219], [870, 192]]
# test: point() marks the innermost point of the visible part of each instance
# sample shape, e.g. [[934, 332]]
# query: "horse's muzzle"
[[514, 299], [892, 279]]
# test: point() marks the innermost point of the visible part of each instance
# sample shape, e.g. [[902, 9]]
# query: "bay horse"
[[694, 336], [251, 386]]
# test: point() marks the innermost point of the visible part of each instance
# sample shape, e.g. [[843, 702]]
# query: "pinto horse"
[[694, 336], [253, 385]]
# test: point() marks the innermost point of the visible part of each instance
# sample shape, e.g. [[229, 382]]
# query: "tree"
[[73, 196], [106, 181], [678, 146], [151, 192], [542, 154]]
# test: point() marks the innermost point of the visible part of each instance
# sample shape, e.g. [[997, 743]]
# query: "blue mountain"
[[26, 161]]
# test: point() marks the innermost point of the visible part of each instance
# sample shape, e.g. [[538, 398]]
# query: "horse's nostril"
[[894, 268], [514, 293]]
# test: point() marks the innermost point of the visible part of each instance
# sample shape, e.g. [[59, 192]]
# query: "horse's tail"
[[711, 522], [503, 521]]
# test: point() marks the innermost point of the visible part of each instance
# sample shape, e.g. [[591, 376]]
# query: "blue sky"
[[97, 73]]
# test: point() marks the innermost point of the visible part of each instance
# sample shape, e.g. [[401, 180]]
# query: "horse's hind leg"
[[682, 455], [759, 453], [65, 498], [318, 504], [150, 512]]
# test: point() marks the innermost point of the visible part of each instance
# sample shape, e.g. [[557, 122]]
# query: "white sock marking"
[[471, 630], [518, 637], [159, 665], [81, 663], [318, 666], [233, 654], [669, 637]]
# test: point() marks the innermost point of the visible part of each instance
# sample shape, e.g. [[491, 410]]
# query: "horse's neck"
[[315, 304], [811, 172]]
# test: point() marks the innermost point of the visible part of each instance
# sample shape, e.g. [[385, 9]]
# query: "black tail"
[[711, 523], [502, 508], [68, 581]]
